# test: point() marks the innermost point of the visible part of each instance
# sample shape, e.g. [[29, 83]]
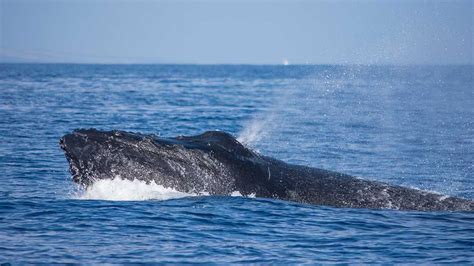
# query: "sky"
[[237, 32]]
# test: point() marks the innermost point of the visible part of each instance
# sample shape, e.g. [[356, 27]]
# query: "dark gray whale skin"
[[216, 163]]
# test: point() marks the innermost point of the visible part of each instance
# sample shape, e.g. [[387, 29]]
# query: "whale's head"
[[187, 163]]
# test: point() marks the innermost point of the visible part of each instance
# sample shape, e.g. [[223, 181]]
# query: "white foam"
[[126, 190], [118, 189], [236, 194]]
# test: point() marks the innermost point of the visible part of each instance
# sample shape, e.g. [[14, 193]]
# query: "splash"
[[256, 129], [127, 190], [271, 120]]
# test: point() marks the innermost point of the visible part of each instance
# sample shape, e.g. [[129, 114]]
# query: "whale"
[[216, 163]]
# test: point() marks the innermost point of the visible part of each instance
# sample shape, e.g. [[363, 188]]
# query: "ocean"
[[405, 125]]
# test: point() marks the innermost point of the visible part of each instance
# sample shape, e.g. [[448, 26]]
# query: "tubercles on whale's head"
[[93, 154], [190, 164], [77, 147]]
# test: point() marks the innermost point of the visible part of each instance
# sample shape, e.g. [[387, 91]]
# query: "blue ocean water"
[[406, 125]]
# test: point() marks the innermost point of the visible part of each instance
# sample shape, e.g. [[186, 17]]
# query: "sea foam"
[[122, 190], [119, 189]]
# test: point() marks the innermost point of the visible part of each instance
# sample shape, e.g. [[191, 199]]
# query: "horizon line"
[[239, 64]]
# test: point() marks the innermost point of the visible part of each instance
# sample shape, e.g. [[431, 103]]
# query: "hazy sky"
[[249, 32]]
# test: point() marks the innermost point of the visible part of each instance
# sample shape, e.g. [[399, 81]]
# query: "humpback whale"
[[215, 163]]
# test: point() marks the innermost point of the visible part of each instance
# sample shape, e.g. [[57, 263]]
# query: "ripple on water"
[[403, 125]]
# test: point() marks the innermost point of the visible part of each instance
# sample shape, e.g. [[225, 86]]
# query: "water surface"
[[411, 126]]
